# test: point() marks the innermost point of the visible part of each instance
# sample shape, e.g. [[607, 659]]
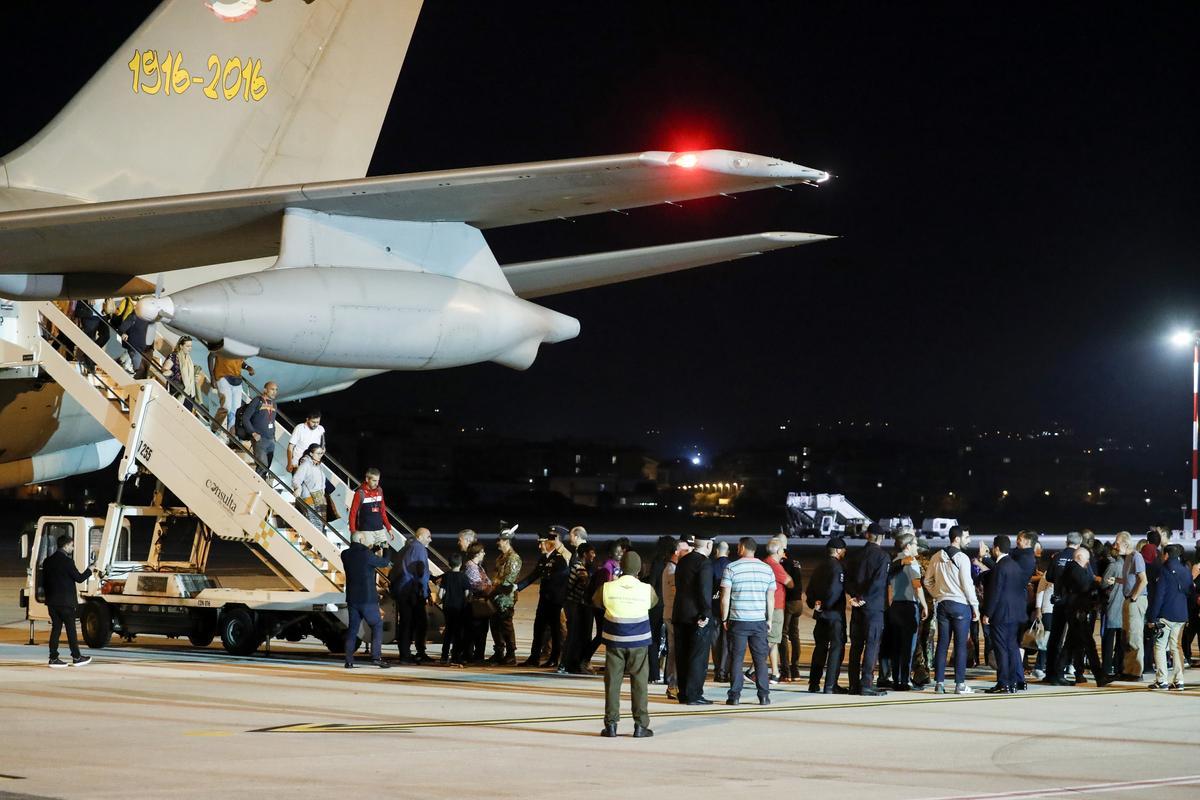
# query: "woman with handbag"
[[481, 608]]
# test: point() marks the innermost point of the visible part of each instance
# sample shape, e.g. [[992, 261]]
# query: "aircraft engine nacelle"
[[363, 318]]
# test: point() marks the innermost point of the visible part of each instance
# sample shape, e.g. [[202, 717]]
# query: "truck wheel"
[[204, 629], [96, 622], [239, 634]]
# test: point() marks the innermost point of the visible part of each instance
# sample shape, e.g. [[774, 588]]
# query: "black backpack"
[[239, 422]]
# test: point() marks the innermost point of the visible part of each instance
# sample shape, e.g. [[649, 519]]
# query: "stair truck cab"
[[128, 596]]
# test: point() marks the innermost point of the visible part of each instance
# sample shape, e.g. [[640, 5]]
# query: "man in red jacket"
[[368, 512]]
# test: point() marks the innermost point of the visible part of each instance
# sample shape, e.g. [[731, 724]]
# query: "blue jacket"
[[1004, 601], [413, 573], [1174, 593], [360, 565]]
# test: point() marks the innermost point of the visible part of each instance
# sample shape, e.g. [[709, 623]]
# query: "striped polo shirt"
[[748, 581]]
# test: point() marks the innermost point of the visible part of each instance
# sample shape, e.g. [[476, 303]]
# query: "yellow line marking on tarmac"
[[404, 727]]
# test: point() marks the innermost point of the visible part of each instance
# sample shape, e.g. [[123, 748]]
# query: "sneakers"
[[81, 661], [962, 688], [940, 688], [1157, 685], [1039, 674], [1177, 687], [57, 663]]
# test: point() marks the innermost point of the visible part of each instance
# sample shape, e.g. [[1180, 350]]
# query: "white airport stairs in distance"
[[199, 467], [847, 512], [808, 512]]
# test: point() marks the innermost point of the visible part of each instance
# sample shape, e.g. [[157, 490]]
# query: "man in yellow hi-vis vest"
[[626, 632]]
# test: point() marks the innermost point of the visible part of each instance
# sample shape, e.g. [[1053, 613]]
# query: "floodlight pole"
[[1195, 423]]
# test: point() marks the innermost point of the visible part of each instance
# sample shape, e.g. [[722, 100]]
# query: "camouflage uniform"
[[504, 583], [926, 634]]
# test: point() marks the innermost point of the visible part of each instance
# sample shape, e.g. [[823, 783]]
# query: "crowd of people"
[[694, 605], [910, 618]]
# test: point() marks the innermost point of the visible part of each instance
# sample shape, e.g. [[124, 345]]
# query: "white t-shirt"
[[302, 437]]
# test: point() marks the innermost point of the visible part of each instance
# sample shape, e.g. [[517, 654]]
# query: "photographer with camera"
[[1174, 594]]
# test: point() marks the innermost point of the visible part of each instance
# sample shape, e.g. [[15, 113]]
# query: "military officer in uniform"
[[827, 599], [504, 595], [551, 572]]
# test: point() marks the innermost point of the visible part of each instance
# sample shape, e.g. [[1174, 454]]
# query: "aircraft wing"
[[132, 237], [557, 275]]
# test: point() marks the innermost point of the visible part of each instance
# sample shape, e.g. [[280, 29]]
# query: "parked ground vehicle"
[[894, 525], [150, 561], [937, 526], [823, 515], [135, 593]]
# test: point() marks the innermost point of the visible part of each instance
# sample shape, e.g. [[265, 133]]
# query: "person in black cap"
[[552, 571], [869, 583], [827, 599], [694, 625]]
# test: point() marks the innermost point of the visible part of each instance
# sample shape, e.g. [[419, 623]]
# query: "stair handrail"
[[353, 483], [52, 312]]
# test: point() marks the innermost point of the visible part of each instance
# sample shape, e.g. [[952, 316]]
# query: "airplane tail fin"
[[254, 93]]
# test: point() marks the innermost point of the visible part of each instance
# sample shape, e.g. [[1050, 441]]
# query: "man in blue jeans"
[[362, 598], [949, 583], [747, 600]]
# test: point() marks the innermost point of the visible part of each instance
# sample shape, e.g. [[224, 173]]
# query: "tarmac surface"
[[158, 718]]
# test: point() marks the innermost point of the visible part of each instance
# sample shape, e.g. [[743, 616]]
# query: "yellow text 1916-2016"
[[228, 79]]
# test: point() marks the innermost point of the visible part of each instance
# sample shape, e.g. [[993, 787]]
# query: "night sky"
[[1016, 200]]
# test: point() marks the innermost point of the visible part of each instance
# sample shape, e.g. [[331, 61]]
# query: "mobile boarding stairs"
[[215, 480]]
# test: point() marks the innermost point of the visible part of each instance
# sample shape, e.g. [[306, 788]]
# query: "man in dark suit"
[[59, 577], [1003, 612], [869, 600], [694, 626], [362, 597], [827, 599]]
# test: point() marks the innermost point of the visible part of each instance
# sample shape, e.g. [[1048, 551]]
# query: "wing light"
[[686, 160]]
